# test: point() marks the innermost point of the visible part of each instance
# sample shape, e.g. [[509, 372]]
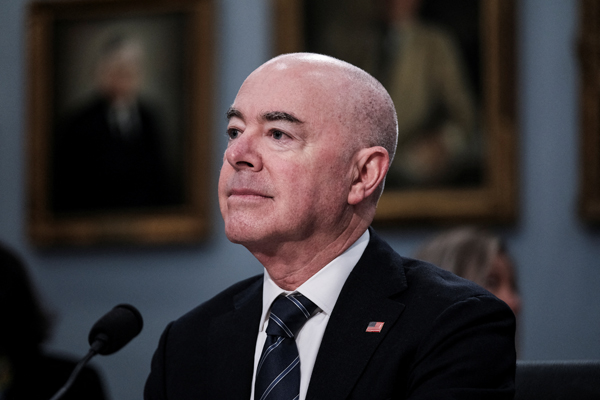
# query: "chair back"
[[558, 380]]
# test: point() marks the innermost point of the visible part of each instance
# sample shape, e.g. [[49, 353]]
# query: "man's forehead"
[[271, 101], [293, 94]]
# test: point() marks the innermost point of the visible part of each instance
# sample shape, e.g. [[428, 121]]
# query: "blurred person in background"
[[479, 256], [108, 151], [27, 372]]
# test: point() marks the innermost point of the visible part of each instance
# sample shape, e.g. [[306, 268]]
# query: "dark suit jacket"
[[443, 338], [96, 168]]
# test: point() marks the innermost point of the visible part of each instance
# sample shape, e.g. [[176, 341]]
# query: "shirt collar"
[[324, 287]]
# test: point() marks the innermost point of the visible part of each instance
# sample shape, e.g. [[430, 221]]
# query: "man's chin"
[[239, 235], [252, 238]]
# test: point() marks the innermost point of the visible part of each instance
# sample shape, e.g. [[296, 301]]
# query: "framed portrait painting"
[[450, 70], [589, 59], [119, 121]]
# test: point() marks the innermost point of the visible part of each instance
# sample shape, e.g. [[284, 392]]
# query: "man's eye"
[[233, 133], [278, 135]]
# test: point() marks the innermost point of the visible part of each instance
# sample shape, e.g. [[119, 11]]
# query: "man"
[[108, 152], [310, 142]]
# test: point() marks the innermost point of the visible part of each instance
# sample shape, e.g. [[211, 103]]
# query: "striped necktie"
[[278, 371]]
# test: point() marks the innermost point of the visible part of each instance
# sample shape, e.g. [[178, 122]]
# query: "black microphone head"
[[115, 329]]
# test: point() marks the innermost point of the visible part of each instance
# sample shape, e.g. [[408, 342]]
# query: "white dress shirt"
[[323, 289]]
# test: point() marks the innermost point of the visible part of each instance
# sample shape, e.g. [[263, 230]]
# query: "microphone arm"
[[74, 374]]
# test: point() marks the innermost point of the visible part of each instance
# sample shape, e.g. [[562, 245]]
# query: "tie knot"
[[289, 314]]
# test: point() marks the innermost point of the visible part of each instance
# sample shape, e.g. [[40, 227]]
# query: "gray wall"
[[558, 257]]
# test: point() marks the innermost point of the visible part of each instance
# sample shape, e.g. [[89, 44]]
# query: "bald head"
[[359, 102]]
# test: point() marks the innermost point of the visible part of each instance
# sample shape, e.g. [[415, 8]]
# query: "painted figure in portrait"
[[109, 147], [423, 61]]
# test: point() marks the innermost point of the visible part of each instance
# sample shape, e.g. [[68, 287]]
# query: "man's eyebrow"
[[233, 112], [267, 116], [280, 116]]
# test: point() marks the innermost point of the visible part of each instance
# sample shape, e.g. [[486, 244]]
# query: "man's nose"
[[243, 152]]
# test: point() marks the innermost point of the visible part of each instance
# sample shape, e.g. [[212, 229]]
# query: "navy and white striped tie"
[[278, 371]]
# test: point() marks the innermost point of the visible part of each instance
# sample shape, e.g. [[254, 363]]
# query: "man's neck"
[[294, 263]]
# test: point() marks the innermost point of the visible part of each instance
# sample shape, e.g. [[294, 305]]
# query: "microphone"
[[115, 329], [108, 335]]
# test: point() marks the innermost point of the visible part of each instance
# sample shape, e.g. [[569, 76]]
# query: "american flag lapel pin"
[[374, 327]]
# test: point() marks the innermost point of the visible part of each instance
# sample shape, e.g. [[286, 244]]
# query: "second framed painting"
[[119, 121], [589, 63], [450, 70]]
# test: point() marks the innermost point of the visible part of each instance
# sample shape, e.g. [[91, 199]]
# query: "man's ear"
[[370, 166]]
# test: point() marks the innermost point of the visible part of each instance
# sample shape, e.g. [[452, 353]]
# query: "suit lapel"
[[232, 341], [347, 347]]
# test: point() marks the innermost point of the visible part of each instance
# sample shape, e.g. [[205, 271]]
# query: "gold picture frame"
[[104, 167], [589, 58], [494, 199]]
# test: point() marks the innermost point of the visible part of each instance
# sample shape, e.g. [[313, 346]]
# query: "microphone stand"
[[94, 349]]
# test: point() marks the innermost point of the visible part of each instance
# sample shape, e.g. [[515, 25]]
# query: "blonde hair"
[[466, 251]]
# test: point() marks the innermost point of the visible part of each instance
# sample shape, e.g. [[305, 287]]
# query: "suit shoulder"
[[429, 278], [438, 294], [381, 264]]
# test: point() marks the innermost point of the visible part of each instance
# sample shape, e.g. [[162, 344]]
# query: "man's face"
[[120, 74], [286, 174]]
